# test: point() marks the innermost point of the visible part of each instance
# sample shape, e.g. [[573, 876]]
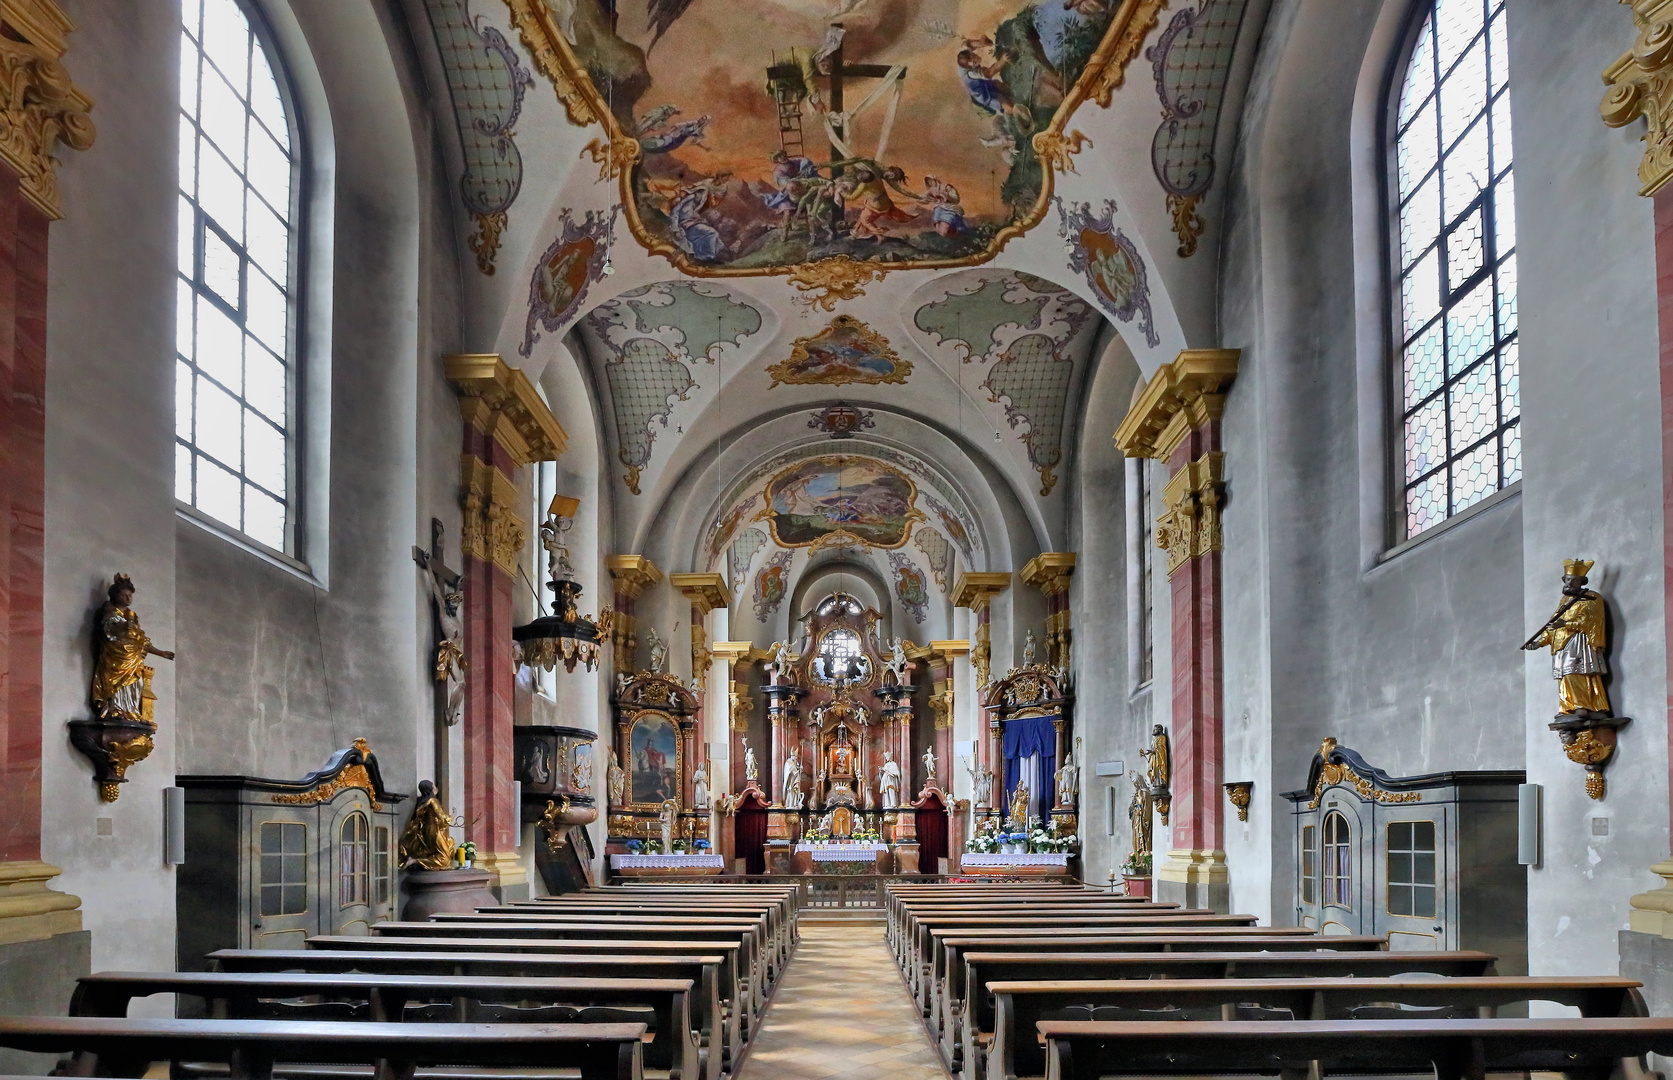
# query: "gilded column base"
[[29, 911], [1195, 878], [1652, 912], [511, 875]]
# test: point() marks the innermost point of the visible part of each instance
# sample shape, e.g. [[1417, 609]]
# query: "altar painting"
[[758, 135], [854, 496], [654, 750]]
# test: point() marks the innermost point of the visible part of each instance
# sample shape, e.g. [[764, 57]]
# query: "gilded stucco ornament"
[[822, 284], [1578, 638], [1237, 793], [40, 107], [1641, 84], [1191, 524], [1058, 150], [1340, 772]]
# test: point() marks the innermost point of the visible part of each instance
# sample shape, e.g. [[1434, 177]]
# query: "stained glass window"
[[1454, 228], [235, 384]]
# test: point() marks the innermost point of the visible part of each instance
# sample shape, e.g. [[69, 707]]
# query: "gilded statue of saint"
[[1019, 806], [121, 679], [1578, 641], [426, 842], [1159, 767]]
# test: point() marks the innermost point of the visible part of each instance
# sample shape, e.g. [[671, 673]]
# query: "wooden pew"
[[775, 941], [674, 1048], [747, 982], [719, 1031], [981, 969], [1019, 1007], [947, 983], [781, 928], [1453, 1049], [121, 1047], [910, 914]]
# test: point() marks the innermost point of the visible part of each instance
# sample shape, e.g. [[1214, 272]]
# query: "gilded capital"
[[500, 401], [1180, 398], [1191, 524], [707, 592], [632, 574], [39, 106], [975, 588], [1641, 84], [491, 531], [1050, 571]]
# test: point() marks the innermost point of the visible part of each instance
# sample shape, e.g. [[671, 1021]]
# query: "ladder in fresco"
[[787, 97]]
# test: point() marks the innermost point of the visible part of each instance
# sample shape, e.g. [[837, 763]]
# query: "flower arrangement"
[[866, 836], [679, 847], [1137, 865], [986, 839], [467, 854], [816, 835], [700, 845], [636, 847], [653, 846]]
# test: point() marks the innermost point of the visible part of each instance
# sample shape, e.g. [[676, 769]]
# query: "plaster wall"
[[110, 466]]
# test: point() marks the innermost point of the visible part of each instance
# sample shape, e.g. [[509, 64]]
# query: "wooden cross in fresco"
[[836, 77]]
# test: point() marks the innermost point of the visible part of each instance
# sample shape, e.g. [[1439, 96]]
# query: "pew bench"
[[1446, 1049], [1014, 1050], [674, 1050], [719, 1036], [106, 1046]]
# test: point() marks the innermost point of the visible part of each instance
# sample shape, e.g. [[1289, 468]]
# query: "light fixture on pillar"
[[565, 635]]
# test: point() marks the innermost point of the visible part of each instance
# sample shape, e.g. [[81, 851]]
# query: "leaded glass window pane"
[[235, 379], [1454, 236]]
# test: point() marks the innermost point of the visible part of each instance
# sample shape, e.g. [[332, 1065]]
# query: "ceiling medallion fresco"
[[1110, 261], [566, 270], [847, 351], [841, 421], [772, 584], [909, 585], [836, 497], [757, 137]]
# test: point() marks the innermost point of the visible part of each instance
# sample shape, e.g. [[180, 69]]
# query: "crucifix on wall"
[[447, 600]]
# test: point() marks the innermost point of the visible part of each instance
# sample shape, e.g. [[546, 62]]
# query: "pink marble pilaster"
[[490, 817], [1664, 319]]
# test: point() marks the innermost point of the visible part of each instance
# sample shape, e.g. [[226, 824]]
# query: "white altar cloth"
[[843, 853], [1041, 858], [667, 862]]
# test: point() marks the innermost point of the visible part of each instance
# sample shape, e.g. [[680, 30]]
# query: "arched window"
[[841, 656], [235, 375], [1454, 244], [1338, 861], [352, 867]]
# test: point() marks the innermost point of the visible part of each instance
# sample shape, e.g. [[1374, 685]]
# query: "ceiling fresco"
[[838, 497], [847, 351], [909, 585], [938, 552], [650, 340], [772, 584], [741, 554], [769, 136], [1031, 334]]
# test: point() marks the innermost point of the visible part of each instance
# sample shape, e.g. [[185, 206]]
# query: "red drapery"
[[932, 835]]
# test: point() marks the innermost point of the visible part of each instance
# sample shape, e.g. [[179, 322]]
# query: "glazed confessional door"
[[284, 885], [1412, 893], [1344, 891]]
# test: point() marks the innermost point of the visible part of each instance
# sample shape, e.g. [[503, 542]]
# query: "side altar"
[[657, 782]]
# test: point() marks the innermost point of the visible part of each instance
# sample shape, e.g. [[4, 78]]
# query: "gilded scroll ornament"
[[123, 754], [1191, 524], [1334, 772], [1237, 793], [1578, 638], [537, 26], [553, 822], [612, 158], [822, 284], [1057, 150], [485, 241], [39, 108], [1641, 84]]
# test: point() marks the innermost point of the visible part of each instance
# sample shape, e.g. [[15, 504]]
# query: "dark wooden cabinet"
[[271, 862]]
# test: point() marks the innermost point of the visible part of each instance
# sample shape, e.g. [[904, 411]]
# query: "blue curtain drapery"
[[1024, 738]]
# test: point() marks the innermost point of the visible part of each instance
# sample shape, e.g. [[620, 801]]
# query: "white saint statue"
[[1068, 779], [665, 818], [778, 661], [981, 783], [1028, 649], [929, 765], [700, 786], [888, 781], [618, 781], [752, 772], [659, 651], [897, 663], [793, 797]]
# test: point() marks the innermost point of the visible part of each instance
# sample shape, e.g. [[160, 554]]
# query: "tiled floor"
[[842, 1011]]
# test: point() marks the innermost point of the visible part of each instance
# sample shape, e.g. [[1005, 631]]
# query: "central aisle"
[[841, 1009]]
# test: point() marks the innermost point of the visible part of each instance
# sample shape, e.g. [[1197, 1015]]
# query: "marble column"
[[1049, 572], [506, 425], [1177, 419], [42, 945], [942, 656], [975, 590], [630, 575]]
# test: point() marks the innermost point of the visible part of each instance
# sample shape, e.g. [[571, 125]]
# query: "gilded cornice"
[[1641, 84], [492, 531], [500, 401], [732, 651], [1182, 396], [707, 592], [975, 588], [1191, 524], [1050, 571], [950, 648], [39, 105], [632, 574]]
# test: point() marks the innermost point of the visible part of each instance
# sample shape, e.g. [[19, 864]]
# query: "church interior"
[[585, 539]]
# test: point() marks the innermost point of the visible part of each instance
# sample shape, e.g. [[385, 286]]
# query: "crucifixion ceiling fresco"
[[774, 136]]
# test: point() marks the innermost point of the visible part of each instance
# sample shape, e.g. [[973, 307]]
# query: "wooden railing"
[[855, 891]]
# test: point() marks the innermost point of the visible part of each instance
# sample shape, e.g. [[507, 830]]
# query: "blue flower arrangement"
[[701, 845], [635, 846]]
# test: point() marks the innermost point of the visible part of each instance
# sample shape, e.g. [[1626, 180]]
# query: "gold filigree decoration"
[[942, 705], [1191, 524], [123, 754], [538, 28], [1641, 84], [485, 241], [741, 706], [355, 776], [613, 158], [1335, 773], [1112, 58], [1057, 151], [552, 821], [827, 281], [1187, 223], [1238, 791], [490, 531], [39, 108]]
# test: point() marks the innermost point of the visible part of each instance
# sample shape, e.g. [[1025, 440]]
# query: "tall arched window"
[[235, 375], [1454, 227]]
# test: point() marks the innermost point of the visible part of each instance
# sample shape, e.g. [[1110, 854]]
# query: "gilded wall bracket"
[[1590, 741]]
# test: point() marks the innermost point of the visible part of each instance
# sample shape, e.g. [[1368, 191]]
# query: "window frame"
[[1336, 888], [354, 862], [1397, 536], [300, 271]]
